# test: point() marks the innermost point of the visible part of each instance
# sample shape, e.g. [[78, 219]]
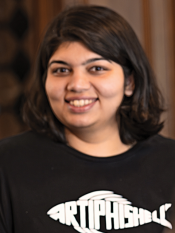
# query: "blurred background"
[[22, 24]]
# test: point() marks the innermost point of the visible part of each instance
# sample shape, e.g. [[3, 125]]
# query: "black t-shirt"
[[50, 187]]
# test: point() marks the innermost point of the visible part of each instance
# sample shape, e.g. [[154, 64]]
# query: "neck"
[[103, 143]]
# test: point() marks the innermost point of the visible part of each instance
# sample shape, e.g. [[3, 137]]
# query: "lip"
[[81, 109]]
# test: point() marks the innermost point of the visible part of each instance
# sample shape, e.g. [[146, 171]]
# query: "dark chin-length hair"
[[106, 33]]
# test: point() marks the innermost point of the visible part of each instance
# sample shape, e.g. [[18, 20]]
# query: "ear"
[[129, 85]]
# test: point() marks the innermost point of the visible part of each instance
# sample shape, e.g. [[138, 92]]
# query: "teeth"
[[80, 103]]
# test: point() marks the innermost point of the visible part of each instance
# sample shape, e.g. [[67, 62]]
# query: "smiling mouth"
[[81, 102]]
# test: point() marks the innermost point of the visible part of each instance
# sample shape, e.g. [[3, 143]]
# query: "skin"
[[76, 74]]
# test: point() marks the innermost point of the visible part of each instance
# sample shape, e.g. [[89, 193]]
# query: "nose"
[[78, 82]]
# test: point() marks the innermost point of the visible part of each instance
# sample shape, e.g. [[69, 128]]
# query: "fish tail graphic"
[[162, 220]]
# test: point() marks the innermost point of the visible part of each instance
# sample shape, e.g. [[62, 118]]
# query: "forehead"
[[73, 51]]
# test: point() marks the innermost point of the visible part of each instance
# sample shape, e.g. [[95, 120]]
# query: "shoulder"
[[23, 140], [26, 145], [159, 145], [159, 141], [158, 150]]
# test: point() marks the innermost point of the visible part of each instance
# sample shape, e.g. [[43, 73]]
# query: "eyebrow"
[[84, 63]]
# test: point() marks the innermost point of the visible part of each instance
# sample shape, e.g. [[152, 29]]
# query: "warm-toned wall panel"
[[171, 62], [147, 43], [43, 12], [162, 51], [67, 3]]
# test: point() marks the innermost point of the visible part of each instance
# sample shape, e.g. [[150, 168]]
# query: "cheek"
[[53, 90], [111, 88], [55, 96]]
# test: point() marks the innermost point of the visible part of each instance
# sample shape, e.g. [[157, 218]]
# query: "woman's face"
[[83, 88]]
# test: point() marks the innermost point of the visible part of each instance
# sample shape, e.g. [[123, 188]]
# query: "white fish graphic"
[[112, 206]]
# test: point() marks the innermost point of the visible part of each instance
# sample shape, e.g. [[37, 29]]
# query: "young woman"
[[93, 161]]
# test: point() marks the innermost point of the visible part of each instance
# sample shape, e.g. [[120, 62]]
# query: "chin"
[[79, 125], [78, 122]]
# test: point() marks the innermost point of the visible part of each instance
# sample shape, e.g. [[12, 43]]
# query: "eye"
[[97, 68], [61, 70]]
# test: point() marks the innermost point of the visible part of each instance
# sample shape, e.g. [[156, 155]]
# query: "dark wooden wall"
[[15, 63], [21, 28]]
